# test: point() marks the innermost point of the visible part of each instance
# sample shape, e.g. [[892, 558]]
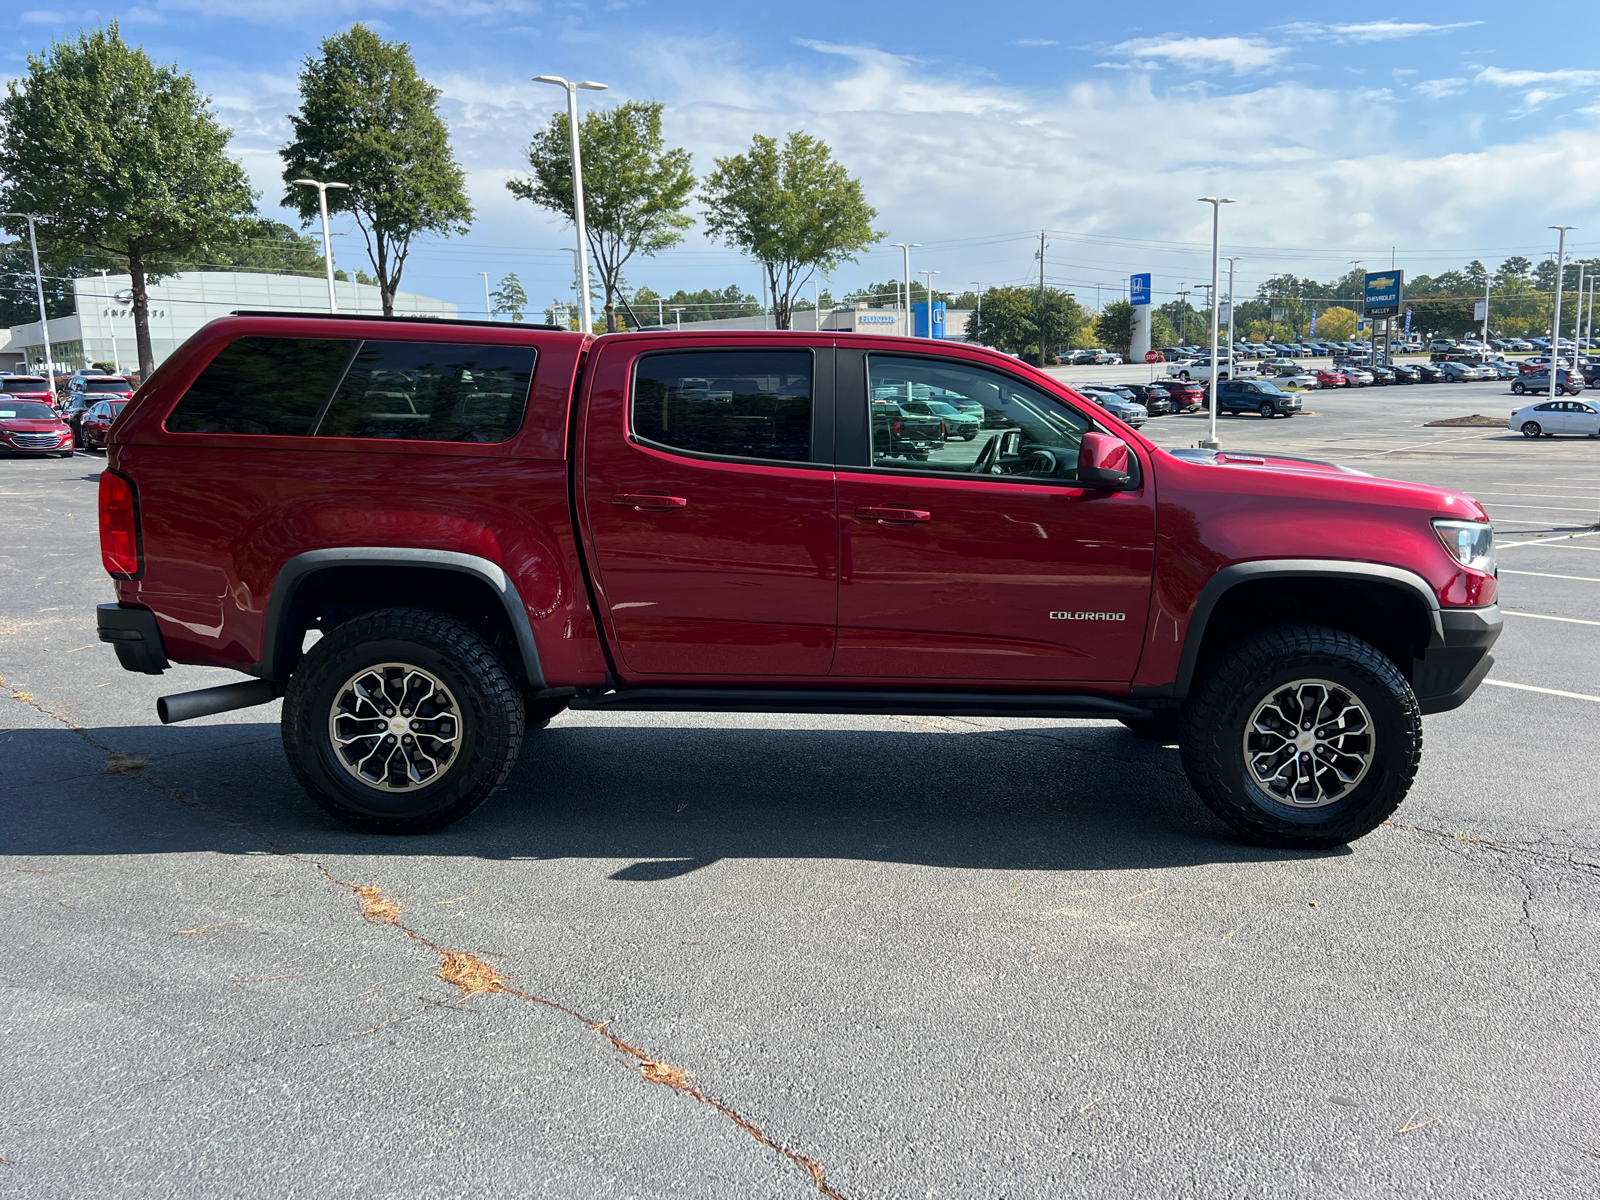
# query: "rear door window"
[[331, 387], [728, 403]]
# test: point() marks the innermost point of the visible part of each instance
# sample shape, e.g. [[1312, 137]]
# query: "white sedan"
[[1556, 416]]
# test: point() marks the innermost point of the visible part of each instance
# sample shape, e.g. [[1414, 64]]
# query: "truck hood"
[[1442, 500]]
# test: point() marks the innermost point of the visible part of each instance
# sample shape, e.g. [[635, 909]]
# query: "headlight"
[[1471, 543]]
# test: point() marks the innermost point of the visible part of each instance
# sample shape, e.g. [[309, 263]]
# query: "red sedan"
[[1330, 379], [96, 423], [32, 427]]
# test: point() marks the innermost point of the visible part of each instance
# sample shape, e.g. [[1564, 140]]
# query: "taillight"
[[119, 526], [897, 429]]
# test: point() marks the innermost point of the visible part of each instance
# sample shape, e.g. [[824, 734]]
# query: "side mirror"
[[1105, 463]]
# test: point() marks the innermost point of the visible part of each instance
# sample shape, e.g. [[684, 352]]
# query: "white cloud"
[[1539, 87], [1241, 55], [961, 163], [1373, 31], [1031, 42], [1438, 89]]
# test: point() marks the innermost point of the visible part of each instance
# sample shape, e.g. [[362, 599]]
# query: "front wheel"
[[1302, 737], [402, 721], [1517, 389], [1266, 410]]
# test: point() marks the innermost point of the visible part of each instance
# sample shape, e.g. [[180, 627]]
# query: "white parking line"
[[1511, 612], [1523, 687], [1548, 575], [1540, 507], [1551, 541]]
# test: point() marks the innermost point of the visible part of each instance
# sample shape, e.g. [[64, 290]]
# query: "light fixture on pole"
[[1555, 319], [111, 323], [327, 242], [488, 304], [928, 287], [38, 286], [906, 248], [1216, 202], [1233, 334], [572, 89]]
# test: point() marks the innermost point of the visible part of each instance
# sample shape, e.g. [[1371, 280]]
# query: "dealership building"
[[101, 326]]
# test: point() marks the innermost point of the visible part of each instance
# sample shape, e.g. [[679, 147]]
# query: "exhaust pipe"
[[186, 706]]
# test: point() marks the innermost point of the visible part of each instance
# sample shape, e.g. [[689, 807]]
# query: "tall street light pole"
[[38, 287], [327, 241], [1216, 202], [111, 323], [977, 290], [1555, 321], [928, 285], [1233, 333], [906, 248], [1577, 318], [572, 89], [488, 304]]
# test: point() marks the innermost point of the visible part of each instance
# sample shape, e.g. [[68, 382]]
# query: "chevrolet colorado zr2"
[[487, 524]]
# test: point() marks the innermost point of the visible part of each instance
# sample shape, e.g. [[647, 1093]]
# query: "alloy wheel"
[[394, 727], [1309, 743]]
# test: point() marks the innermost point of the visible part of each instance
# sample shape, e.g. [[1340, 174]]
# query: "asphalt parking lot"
[[765, 956]]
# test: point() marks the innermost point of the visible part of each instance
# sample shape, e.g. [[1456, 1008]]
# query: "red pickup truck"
[[430, 537]]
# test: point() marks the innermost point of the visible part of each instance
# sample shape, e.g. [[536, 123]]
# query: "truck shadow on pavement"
[[653, 802]]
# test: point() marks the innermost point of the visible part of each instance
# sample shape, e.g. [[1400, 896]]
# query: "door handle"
[[645, 502], [893, 516]]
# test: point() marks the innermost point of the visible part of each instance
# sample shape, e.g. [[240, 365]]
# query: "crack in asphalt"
[[468, 973], [471, 976]]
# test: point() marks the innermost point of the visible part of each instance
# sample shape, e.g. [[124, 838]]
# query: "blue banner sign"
[[1383, 293], [1139, 288]]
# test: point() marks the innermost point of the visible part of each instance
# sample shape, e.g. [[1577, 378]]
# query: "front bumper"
[[1446, 676], [133, 632]]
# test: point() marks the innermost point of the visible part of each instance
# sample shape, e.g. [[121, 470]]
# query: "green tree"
[[267, 247], [794, 210], [367, 119], [1337, 324], [509, 298], [19, 301], [634, 188], [121, 158], [1114, 326], [1010, 320], [1161, 334]]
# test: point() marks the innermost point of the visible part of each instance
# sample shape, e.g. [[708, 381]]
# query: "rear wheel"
[[1530, 429], [1302, 737], [1517, 389], [402, 721]]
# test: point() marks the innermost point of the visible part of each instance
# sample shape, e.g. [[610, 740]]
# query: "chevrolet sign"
[[1384, 293]]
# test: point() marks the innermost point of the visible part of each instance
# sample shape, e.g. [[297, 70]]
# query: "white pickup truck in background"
[[1199, 369]]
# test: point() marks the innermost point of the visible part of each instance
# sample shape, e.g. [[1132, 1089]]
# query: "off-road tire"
[[490, 711], [1249, 671]]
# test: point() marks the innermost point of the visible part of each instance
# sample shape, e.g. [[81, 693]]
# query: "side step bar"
[[186, 706], [842, 703]]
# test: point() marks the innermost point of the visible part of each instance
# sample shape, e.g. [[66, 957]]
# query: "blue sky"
[[1454, 132]]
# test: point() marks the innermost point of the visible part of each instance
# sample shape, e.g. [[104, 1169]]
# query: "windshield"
[[27, 412], [941, 408], [23, 383]]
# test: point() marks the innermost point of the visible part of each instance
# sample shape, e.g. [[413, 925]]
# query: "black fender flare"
[[277, 654], [1231, 577]]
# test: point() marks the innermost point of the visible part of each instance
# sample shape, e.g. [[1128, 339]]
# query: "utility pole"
[[816, 304], [1043, 352], [661, 315], [977, 290], [1577, 319], [1183, 316], [488, 304], [1486, 282]]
